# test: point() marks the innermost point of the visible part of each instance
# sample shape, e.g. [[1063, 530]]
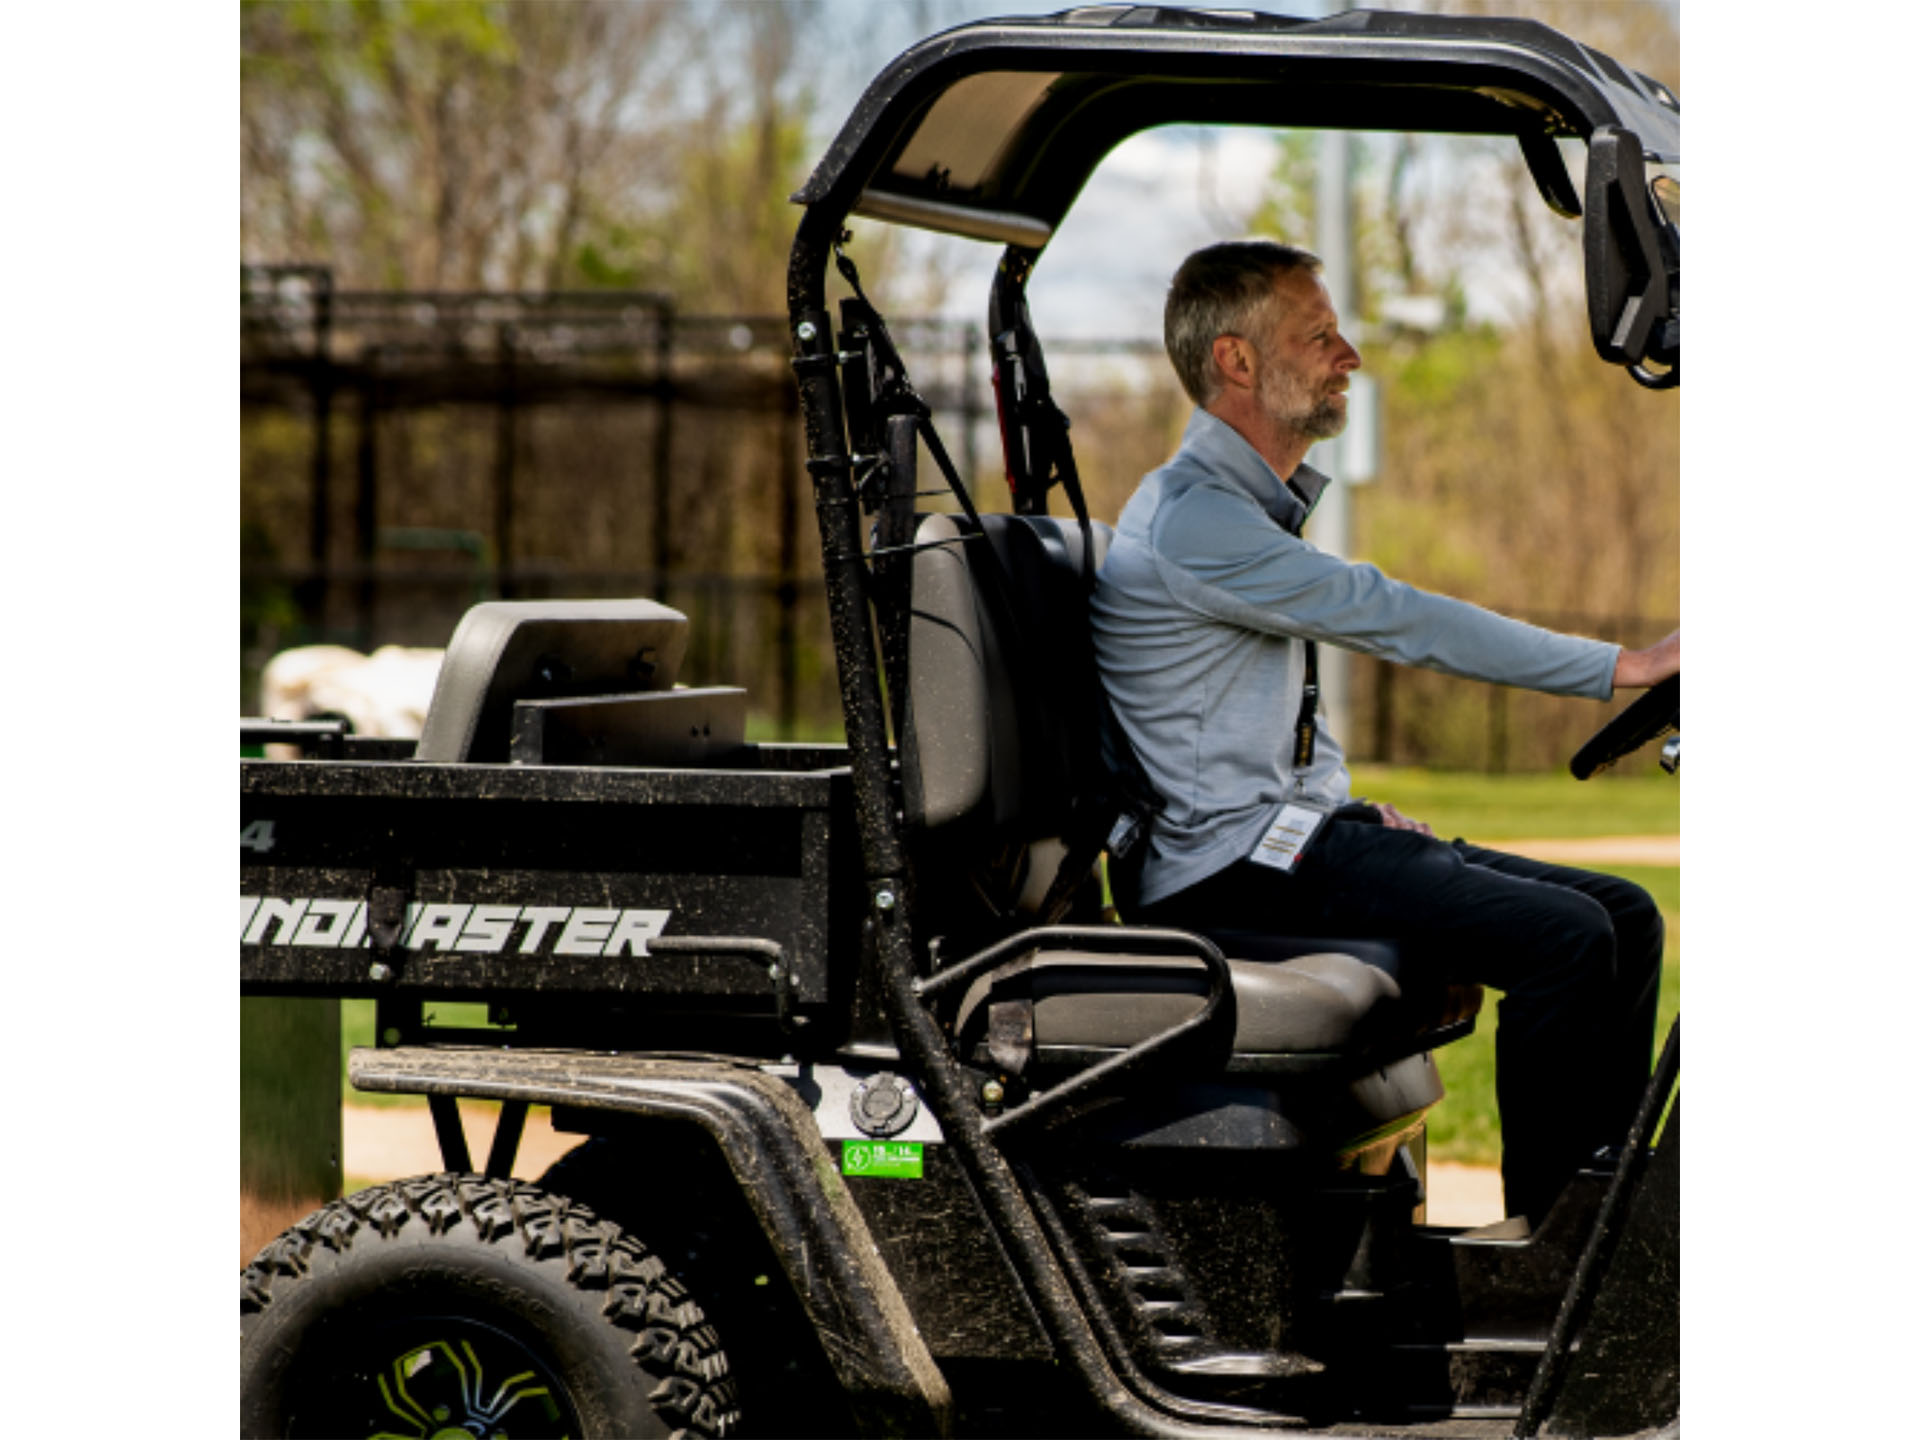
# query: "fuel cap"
[[884, 1105]]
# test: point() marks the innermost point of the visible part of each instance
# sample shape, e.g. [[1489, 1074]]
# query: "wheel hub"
[[446, 1389]]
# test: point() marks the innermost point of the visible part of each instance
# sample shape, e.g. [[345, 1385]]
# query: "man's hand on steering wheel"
[[1640, 669]]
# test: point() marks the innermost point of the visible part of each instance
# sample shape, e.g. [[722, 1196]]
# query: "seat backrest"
[[509, 650], [1001, 734]]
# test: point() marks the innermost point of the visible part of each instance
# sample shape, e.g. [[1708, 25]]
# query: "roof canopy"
[[989, 131]]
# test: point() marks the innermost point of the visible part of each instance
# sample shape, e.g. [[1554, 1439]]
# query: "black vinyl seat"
[[999, 749]]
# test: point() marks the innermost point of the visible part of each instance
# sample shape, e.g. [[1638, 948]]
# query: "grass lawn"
[[1511, 807]]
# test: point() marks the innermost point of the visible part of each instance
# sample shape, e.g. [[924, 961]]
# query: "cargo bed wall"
[[488, 881]]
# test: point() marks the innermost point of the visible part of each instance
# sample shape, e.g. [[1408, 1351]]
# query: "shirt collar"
[[1225, 452]]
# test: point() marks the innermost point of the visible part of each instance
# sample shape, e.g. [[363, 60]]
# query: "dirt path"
[[1595, 849], [388, 1143]]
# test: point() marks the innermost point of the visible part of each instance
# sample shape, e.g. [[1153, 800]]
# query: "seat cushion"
[[1319, 1004], [1433, 1004], [1263, 946]]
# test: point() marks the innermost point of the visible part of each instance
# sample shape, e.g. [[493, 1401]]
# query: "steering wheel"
[[1654, 714]]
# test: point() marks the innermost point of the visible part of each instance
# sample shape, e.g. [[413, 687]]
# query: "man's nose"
[[1349, 357]]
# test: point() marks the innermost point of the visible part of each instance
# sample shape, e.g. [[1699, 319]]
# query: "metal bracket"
[[386, 914], [325, 738], [1217, 1010], [451, 1133]]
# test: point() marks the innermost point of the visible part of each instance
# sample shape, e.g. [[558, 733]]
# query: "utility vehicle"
[[888, 1126]]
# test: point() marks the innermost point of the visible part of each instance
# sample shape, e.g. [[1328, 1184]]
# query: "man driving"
[[1207, 618]]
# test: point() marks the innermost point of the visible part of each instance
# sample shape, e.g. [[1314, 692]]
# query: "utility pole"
[[1333, 239]]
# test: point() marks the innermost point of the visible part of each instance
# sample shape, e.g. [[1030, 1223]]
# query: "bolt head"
[[380, 970], [884, 900], [993, 1092], [806, 330]]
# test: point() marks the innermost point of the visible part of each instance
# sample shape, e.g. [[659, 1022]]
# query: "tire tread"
[[670, 1331]]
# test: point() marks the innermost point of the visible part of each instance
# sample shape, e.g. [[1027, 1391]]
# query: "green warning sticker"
[[894, 1159]]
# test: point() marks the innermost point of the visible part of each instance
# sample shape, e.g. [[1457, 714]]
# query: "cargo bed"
[[468, 881]]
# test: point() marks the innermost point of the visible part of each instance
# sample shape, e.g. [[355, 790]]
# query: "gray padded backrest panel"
[[948, 704], [965, 756], [508, 650]]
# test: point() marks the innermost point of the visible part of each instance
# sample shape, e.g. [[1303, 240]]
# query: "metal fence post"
[[787, 631], [367, 501], [663, 450], [506, 433], [315, 592]]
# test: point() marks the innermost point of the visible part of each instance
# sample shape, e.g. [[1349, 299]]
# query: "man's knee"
[[1640, 931], [1573, 955]]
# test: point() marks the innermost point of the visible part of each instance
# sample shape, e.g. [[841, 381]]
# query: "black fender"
[[774, 1150]]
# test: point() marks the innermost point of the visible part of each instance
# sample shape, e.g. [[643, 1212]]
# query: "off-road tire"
[[702, 1226], [431, 1277]]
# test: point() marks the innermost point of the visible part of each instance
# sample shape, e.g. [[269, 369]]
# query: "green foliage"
[[1288, 210], [266, 606], [726, 234], [467, 144], [1434, 374], [611, 260]]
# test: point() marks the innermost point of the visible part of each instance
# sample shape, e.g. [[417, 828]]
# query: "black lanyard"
[[1303, 726]]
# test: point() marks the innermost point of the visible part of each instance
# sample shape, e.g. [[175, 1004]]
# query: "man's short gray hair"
[[1216, 292]]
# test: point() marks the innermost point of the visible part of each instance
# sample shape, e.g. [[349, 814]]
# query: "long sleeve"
[[1220, 554]]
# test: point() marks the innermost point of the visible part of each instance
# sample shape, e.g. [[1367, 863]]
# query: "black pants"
[[1576, 956]]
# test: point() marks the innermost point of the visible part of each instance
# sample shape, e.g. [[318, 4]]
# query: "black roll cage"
[[1361, 70]]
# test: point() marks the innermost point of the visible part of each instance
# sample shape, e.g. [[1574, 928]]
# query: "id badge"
[[1292, 831]]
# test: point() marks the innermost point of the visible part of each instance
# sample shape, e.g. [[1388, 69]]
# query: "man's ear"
[[1233, 361]]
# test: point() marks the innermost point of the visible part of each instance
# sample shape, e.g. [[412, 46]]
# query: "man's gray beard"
[[1324, 421], [1320, 421]]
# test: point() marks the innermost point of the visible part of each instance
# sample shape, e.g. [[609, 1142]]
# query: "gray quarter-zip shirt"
[[1199, 618]]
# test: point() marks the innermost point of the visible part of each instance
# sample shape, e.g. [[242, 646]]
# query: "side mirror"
[[1633, 281]]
